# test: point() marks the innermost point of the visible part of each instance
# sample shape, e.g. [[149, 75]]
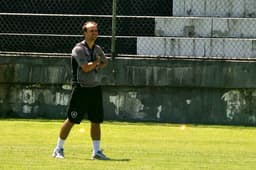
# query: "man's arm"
[[103, 64], [90, 66], [79, 54], [103, 59]]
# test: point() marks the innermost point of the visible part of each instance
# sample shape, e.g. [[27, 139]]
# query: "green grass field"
[[28, 145]]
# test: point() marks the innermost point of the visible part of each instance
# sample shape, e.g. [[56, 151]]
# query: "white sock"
[[60, 143], [96, 146]]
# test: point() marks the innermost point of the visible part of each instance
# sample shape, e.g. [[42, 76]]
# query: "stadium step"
[[198, 47], [216, 8], [206, 27]]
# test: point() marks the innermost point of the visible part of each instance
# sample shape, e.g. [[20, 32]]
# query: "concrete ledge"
[[220, 8], [152, 72], [215, 47], [206, 27]]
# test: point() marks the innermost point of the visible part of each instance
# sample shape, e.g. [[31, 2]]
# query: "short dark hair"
[[84, 28]]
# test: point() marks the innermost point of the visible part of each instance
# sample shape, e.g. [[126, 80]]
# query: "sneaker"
[[58, 153], [100, 156]]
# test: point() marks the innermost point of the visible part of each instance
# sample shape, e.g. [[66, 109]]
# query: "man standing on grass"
[[86, 97]]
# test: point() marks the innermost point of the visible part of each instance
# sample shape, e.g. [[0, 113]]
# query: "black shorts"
[[85, 101]]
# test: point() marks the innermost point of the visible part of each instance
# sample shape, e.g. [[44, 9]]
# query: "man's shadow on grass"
[[112, 159], [118, 160]]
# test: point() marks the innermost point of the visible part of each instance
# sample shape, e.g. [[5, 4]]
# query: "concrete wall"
[[172, 89], [164, 90]]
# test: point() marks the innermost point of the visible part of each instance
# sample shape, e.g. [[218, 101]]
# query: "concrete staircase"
[[199, 28], [204, 28]]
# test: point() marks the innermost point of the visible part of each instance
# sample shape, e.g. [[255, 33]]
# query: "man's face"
[[92, 32]]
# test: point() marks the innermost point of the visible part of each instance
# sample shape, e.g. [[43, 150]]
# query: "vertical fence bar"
[[113, 40]]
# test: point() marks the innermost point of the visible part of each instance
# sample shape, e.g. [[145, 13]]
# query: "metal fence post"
[[113, 40]]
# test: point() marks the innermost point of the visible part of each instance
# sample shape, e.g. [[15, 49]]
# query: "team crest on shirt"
[[73, 114]]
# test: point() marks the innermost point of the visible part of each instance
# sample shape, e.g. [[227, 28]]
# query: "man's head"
[[90, 30]]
